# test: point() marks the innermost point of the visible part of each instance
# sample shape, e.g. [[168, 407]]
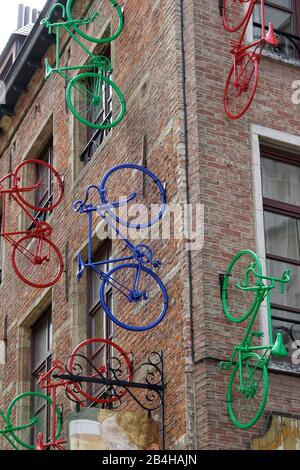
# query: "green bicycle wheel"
[[21, 432], [86, 9], [237, 303], [95, 101], [246, 406]]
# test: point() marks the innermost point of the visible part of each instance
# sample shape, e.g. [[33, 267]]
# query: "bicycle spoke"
[[37, 261], [247, 398], [145, 304]]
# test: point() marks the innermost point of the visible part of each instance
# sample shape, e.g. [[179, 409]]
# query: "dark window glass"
[[99, 324], [41, 362], [284, 14], [99, 115]]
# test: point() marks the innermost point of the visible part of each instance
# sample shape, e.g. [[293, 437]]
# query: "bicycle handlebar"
[[46, 21]]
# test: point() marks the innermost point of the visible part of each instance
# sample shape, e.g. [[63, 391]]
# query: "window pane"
[[291, 295], [283, 21], [282, 3], [41, 344], [290, 330], [281, 181], [50, 337], [41, 424], [282, 235], [95, 280], [97, 319]]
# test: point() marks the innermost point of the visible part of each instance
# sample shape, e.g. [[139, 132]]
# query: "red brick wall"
[[221, 178]]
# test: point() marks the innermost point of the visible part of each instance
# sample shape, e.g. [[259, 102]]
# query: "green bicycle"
[[243, 292], [86, 91], [16, 435]]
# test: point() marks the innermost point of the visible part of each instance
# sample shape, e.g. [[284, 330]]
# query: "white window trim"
[[259, 134]]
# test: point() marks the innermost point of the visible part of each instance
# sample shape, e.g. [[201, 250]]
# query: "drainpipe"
[[191, 429]]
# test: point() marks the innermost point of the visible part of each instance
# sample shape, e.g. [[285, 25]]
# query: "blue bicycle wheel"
[[137, 309], [133, 196]]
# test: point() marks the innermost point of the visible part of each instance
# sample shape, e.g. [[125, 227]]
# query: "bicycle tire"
[[10, 411], [24, 259], [234, 14], [18, 183], [263, 372], [124, 308], [237, 100], [155, 185], [77, 356], [87, 100], [233, 298], [72, 16]]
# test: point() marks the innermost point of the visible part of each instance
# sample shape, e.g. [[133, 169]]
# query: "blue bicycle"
[[131, 293]]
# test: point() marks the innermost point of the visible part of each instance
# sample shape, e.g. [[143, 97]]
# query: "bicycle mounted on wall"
[[244, 290], [84, 94], [139, 296]]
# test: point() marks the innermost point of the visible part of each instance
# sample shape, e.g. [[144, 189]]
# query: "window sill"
[[86, 167], [288, 369], [281, 58]]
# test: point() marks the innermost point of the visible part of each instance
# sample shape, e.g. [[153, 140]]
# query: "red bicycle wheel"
[[241, 86], [44, 178], [234, 14], [99, 358], [37, 261]]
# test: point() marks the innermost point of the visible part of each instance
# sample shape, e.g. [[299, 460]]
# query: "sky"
[[9, 17]]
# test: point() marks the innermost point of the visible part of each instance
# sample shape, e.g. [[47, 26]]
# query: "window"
[[98, 323], [281, 200], [42, 196], [285, 15], [100, 115], [41, 341], [1, 248]]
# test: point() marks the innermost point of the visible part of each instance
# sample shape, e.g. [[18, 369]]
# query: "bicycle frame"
[[40, 227], [104, 211]]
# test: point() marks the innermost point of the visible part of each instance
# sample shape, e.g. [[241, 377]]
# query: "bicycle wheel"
[[49, 187], [35, 422], [238, 304], [143, 191], [84, 97], [37, 261], [99, 358], [246, 406], [234, 14], [241, 85], [84, 9], [133, 311]]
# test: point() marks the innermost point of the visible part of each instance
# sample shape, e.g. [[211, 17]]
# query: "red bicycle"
[[36, 187], [242, 80]]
